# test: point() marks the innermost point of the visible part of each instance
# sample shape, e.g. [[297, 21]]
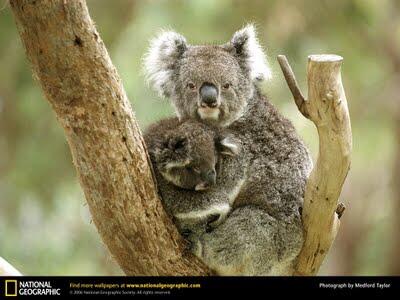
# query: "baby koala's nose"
[[209, 95], [210, 177]]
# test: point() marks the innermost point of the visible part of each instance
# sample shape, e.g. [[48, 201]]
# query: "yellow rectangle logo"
[[11, 288]]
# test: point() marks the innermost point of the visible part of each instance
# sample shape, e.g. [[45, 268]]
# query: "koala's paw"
[[229, 145], [187, 242], [192, 244], [213, 221], [197, 249]]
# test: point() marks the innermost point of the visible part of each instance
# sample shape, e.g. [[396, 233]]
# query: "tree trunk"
[[327, 108], [75, 72]]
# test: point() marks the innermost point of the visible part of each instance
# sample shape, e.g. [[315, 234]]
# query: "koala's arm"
[[187, 206], [251, 242], [195, 213]]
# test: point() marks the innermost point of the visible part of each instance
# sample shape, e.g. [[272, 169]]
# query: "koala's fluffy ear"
[[176, 143], [246, 47], [228, 145], [164, 52], [170, 143]]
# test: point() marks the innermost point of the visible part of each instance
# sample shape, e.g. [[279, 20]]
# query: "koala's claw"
[[192, 247], [188, 246], [186, 233], [212, 222]]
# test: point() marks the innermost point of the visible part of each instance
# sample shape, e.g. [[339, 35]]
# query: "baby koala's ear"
[[177, 142], [168, 145], [228, 145]]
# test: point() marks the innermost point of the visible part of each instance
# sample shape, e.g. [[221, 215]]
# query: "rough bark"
[[326, 107], [75, 72]]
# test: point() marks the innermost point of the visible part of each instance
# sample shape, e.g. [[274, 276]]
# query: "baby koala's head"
[[186, 155]]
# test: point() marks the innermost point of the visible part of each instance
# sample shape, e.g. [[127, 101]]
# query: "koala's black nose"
[[209, 94], [210, 177]]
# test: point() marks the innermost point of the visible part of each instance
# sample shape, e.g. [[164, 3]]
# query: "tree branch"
[[6, 269], [293, 85], [75, 72], [327, 109]]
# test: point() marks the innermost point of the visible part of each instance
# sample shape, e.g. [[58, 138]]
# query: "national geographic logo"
[[14, 287], [10, 288]]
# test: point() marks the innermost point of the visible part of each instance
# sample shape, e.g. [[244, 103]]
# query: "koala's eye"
[[191, 85], [226, 86]]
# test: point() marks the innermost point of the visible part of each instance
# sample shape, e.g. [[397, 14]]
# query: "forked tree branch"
[[75, 72], [326, 107], [293, 86]]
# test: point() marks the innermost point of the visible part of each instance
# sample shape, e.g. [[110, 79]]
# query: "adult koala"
[[217, 84]]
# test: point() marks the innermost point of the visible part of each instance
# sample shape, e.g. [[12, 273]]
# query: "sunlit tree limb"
[[326, 107], [6, 269], [76, 74]]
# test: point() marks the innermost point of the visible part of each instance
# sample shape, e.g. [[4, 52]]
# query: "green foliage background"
[[45, 225]]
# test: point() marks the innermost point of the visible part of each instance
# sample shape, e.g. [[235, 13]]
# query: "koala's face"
[[211, 86], [188, 162], [210, 83], [188, 155]]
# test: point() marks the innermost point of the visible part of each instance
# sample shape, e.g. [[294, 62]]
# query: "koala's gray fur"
[[184, 153], [262, 234], [187, 155]]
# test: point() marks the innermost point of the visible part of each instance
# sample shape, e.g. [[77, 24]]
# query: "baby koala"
[[185, 156]]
